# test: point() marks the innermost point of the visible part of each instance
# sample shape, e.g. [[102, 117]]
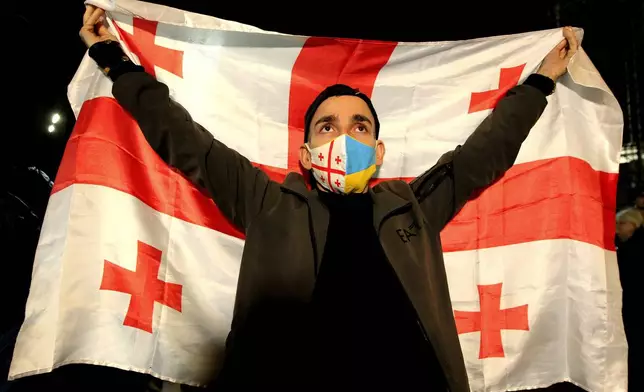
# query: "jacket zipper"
[[426, 337], [440, 173], [422, 329]]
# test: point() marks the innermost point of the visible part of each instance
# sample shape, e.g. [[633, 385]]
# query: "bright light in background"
[[628, 154], [55, 119]]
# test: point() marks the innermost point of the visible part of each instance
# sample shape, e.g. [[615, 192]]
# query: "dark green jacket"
[[286, 224]]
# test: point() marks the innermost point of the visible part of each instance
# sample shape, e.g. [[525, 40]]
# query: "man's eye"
[[361, 128], [326, 128]]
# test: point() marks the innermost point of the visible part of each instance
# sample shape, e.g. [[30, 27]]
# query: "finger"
[[93, 19], [571, 37], [89, 9], [562, 44]]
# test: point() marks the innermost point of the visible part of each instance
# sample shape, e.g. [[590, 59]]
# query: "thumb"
[[571, 52], [562, 44], [104, 32]]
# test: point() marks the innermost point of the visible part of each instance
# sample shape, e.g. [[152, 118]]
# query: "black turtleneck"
[[367, 329]]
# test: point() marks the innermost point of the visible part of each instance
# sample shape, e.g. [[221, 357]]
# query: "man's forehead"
[[345, 105]]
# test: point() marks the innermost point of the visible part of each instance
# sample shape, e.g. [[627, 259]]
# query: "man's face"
[[338, 116], [625, 230], [639, 202]]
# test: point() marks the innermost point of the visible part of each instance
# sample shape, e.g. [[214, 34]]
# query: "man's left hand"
[[555, 63]]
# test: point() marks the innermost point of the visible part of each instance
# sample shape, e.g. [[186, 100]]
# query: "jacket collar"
[[295, 183], [385, 201]]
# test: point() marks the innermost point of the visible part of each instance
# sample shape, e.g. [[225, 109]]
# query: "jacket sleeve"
[[490, 151], [237, 187]]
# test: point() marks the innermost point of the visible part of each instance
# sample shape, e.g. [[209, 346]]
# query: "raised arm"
[[238, 188], [493, 147]]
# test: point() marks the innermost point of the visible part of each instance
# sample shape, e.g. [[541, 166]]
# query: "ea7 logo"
[[409, 232]]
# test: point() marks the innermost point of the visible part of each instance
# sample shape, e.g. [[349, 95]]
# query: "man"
[[330, 295], [630, 253], [639, 202], [628, 221]]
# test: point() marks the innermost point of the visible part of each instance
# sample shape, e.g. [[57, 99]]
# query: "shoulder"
[[399, 187]]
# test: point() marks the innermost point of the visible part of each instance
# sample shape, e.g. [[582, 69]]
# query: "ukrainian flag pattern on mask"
[[344, 165]]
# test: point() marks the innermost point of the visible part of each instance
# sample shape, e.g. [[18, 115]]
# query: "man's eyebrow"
[[332, 118], [326, 119], [360, 118]]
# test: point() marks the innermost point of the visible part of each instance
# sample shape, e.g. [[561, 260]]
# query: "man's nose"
[[345, 129]]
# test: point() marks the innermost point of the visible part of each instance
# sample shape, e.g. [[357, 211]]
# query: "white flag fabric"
[[137, 269]]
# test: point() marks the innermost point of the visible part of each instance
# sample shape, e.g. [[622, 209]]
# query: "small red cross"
[[338, 160], [328, 170], [143, 285], [149, 53], [488, 99], [491, 320], [321, 157], [337, 183]]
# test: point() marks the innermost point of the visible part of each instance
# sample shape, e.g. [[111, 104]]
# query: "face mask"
[[344, 165]]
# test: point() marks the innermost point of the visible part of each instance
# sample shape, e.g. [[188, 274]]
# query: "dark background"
[[41, 52]]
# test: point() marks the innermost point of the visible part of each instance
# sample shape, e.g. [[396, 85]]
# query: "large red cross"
[[491, 320], [321, 63], [488, 99], [149, 53], [143, 285]]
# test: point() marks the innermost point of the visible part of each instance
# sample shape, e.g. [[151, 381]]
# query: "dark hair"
[[337, 90]]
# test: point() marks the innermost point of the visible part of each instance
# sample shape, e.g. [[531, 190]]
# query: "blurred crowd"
[[629, 240]]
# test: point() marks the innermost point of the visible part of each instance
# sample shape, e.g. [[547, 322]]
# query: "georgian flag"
[[137, 269]]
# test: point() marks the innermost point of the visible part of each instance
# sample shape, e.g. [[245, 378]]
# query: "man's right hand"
[[94, 29], [556, 62]]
